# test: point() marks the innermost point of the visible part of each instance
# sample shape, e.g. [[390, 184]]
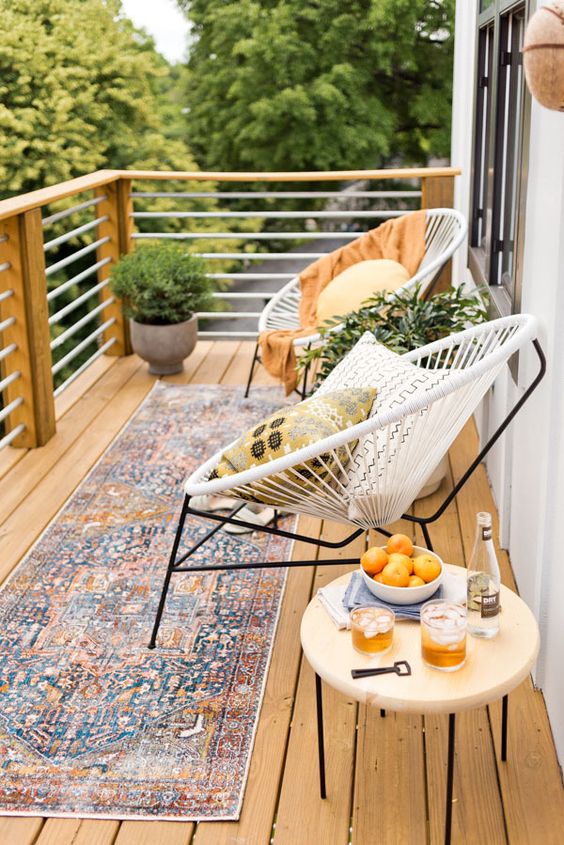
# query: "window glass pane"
[[507, 164], [482, 169], [485, 4]]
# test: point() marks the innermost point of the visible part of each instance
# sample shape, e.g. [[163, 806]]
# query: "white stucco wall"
[[537, 469], [527, 470]]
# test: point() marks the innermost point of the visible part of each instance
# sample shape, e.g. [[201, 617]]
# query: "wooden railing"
[[56, 256]]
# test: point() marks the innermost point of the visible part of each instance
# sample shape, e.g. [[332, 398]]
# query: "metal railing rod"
[[227, 315], [99, 352], [60, 215], [9, 380], [261, 256], [6, 295], [294, 195], [74, 280], [249, 236], [270, 215], [58, 315], [5, 412], [227, 335], [64, 262], [74, 233], [251, 277], [5, 266], [7, 439], [243, 295], [78, 349], [5, 324], [64, 336], [8, 350]]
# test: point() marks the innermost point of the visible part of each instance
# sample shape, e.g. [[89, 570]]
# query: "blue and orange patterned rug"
[[92, 723]]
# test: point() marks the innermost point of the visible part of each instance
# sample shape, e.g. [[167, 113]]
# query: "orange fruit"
[[374, 560], [416, 581], [379, 578], [403, 559], [401, 544], [427, 567], [395, 575]]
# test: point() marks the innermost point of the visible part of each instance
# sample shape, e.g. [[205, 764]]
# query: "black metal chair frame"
[[176, 565]]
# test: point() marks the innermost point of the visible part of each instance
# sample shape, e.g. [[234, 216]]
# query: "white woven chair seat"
[[424, 399], [445, 230]]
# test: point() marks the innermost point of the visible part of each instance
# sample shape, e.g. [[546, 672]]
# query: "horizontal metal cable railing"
[[77, 300], [58, 315], [10, 397], [246, 216]]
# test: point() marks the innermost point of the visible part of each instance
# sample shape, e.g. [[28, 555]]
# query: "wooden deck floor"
[[385, 776]]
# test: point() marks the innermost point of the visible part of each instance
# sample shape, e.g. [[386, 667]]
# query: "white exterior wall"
[[527, 469]]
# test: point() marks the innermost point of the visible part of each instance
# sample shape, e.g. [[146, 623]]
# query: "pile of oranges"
[[396, 566]]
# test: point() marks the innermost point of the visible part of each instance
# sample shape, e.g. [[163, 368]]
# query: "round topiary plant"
[[161, 288], [161, 284]]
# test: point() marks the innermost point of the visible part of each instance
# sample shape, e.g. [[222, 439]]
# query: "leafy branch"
[[401, 321]]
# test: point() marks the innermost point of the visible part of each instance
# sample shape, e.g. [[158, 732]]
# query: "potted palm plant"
[[161, 287]]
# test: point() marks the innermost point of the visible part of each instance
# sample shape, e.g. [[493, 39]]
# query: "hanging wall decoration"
[[543, 53]]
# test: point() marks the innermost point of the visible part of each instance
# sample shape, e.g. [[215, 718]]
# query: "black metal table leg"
[[450, 777], [320, 743], [504, 703]]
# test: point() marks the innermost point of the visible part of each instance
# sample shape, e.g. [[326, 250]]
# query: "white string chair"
[[373, 470], [445, 230]]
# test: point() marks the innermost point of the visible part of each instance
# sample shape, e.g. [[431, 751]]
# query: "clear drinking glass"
[[443, 634], [372, 629]]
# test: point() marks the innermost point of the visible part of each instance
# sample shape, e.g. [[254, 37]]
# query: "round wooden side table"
[[492, 669]]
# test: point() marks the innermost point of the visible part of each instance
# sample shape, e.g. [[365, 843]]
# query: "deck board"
[[475, 771], [374, 765], [301, 816]]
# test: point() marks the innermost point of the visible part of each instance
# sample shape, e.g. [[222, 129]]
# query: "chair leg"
[[427, 537], [303, 392], [251, 371], [169, 571]]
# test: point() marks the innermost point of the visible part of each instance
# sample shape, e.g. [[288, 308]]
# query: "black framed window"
[[499, 152]]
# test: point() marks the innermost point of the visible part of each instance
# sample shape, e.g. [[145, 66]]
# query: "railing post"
[[25, 276], [438, 192], [117, 206]]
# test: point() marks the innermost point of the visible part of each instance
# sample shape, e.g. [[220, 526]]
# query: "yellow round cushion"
[[347, 291]]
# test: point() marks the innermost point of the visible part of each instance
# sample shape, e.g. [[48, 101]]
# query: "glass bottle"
[[483, 582]]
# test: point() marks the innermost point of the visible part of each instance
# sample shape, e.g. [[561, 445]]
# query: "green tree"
[[288, 84], [80, 89]]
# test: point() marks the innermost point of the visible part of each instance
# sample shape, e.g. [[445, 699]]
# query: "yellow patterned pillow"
[[294, 427]]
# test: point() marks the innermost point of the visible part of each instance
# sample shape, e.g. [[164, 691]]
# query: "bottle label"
[[489, 606], [487, 533]]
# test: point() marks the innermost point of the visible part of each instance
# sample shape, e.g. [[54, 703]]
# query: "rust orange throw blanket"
[[401, 239]]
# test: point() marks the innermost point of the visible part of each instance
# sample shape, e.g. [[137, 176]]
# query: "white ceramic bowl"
[[405, 595]]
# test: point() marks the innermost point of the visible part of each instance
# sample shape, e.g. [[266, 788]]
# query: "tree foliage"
[[285, 84], [80, 89]]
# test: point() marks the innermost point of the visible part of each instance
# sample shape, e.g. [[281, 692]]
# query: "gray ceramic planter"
[[164, 347]]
